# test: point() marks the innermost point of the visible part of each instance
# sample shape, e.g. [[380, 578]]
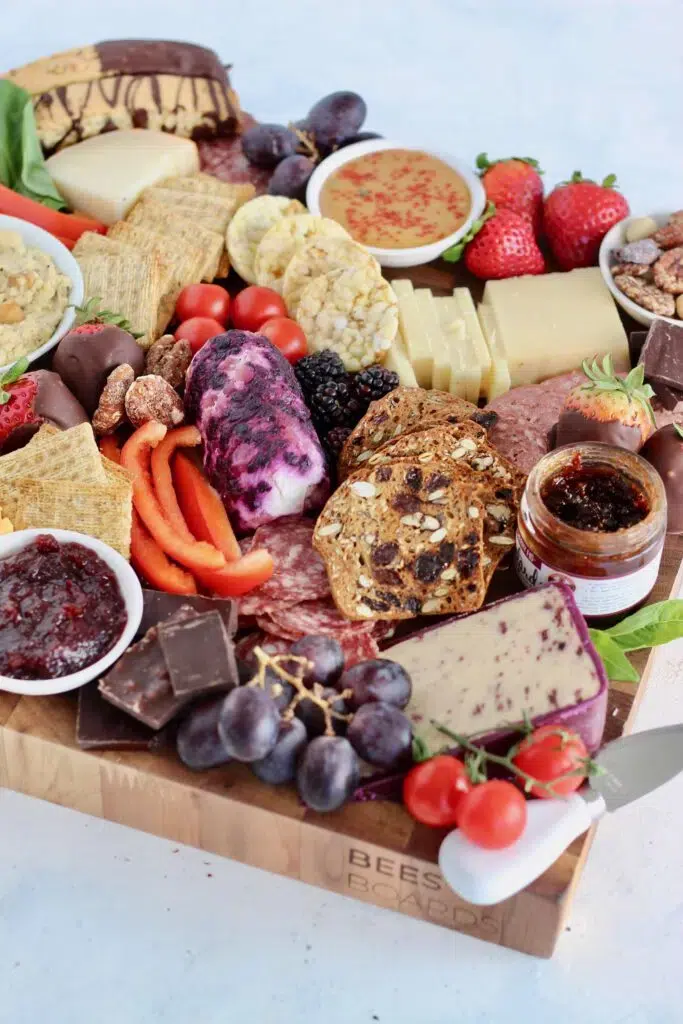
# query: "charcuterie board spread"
[[340, 495]]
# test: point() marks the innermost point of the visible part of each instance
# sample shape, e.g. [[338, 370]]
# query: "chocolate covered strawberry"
[[576, 217], [514, 184], [29, 399], [608, 408], [504, 246]]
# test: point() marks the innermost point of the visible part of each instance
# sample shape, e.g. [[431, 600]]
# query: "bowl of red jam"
[[69, 607]]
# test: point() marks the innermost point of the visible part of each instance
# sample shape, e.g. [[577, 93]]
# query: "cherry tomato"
[[433, 790], [492, 814], [198, 330], [548, 753], [206, 300], [286, 335], [253, 306]]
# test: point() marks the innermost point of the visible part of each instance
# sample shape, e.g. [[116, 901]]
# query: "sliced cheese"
[[104, 175], [529, 655], [474, 332], [414, 334], [441, 363], [397, 360], [465, 369], [548, 324], [498, 380]]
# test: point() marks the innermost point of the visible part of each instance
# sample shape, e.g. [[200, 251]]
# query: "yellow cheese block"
[[498, 380], [397, 360], [465, 378], [474, 333], [417, 340], [441, 361], [548, 324]]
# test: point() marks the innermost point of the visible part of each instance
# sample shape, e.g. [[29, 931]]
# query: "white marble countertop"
[[100, 924]]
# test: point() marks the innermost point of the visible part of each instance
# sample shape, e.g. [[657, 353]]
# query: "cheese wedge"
[[465, 369], [417, 339], [104, 175], [397, 360], [498, 381], [441, 361], [469, 314]]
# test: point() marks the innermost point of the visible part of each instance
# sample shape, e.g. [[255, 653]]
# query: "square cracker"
[[193, 228], [133, 287], [206, 184], [103, 512], [65, 455]]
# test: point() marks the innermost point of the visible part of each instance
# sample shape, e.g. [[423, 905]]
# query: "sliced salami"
[[225, 159], [271, 644], [311, 617], [358, 646], [300, 573]]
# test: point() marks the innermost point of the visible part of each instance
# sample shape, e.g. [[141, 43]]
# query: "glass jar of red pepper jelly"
[[593, 516]]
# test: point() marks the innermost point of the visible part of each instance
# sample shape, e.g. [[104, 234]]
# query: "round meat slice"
[[280, 242], [300, 573], [351, 312], [249, 225], [310, 618], [319, 255]]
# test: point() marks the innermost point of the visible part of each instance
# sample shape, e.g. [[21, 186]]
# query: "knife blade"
[[632, 766]]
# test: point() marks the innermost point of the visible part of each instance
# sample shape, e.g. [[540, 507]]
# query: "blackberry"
[[335, 439], [319, 368], [373, 383], [334, 405]]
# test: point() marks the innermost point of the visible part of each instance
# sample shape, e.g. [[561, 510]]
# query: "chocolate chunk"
[[636, 340], [667, 397], [662, 354], [157, 606], [101, 726], [140, 683], [199, 654], [84, 361]]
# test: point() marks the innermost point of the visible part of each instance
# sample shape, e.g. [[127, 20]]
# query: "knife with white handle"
[[631, 767]]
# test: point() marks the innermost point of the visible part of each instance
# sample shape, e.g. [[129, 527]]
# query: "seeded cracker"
[[319, 255], [353, 313], [280, 242], [401, 541], [249, 225]]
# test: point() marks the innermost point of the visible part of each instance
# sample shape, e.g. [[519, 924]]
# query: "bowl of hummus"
[[40, 283]]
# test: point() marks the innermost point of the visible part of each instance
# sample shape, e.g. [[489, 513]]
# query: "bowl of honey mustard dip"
[[404, 204]]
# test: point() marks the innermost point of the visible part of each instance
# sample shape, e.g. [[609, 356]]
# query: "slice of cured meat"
[[300, 573], [225, 159], [526, 416], [310, 617], [357, 646]]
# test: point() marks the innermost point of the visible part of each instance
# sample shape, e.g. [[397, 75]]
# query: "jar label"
[[594, 596]]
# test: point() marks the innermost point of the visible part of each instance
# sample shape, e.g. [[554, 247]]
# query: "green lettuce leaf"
[[22, 165], [651, 626], [617, 665]]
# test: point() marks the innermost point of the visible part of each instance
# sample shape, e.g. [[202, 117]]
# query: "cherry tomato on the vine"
[[549, 753], [493, 814], [203, 300], [254, 305], [433, 790], [287, 336], [198, 330]]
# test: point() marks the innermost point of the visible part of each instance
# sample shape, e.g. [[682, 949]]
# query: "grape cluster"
[[303, 719], [293, 151]]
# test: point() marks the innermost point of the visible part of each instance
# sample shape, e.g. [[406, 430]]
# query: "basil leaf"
[[22, 165], [617, 665], [651, 626]]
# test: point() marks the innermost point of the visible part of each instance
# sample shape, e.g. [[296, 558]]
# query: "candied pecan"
[[671, 235], [641, 270], [646, 295], [150, 397], [169, 359], [111, 410], [669, 271]]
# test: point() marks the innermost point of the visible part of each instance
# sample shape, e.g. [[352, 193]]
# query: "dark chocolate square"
[[159, 605], [662, 354], [101, 726], [200, 656]]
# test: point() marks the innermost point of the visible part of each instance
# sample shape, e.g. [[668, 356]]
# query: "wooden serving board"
[[371, 851]]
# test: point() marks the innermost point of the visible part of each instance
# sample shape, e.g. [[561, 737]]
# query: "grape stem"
[[276, 663]]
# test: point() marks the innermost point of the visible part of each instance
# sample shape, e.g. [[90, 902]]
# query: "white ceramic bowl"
[[35, 236], [615, 237], [132, 596], [417, 255]]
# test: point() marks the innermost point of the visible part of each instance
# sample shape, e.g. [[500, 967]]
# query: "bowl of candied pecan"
[[641, 260]]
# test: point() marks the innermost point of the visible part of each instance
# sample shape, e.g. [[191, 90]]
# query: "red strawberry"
[[514, 184], [504, 246], [608, 408], [17, 400], [577, 215]]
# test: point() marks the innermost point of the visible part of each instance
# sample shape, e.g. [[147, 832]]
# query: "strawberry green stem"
[[483, 163], [453, 254]]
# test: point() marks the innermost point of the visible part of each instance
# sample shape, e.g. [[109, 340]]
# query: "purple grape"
[[335, 117], [290, 177], [248, 723], [381, 735], [198, 742], [313, 718], [328, 773], [327, 656], [358, 137], [265, 145], [377, 679], [280, 764]]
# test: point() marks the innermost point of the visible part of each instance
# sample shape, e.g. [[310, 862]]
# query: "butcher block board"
[[371, 851]]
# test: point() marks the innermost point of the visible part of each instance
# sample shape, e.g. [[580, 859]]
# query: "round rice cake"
[[319, 255], [280, 242], [250, 224], [352, 312]]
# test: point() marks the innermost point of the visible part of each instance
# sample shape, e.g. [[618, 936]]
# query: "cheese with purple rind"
[[527, 655]]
